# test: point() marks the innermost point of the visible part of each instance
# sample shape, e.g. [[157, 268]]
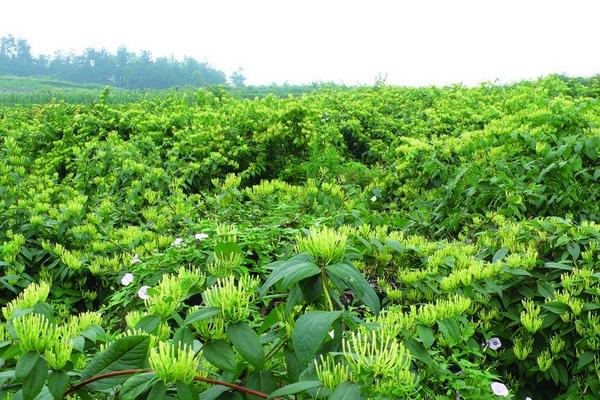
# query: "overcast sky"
[[420, 42]]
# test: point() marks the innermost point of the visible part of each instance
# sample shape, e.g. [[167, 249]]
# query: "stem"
[[325, 283], [233, 386]]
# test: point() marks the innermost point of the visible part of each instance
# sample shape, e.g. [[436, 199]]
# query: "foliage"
[[350, 243]]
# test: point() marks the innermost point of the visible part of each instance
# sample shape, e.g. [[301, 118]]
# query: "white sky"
[[420, 42]]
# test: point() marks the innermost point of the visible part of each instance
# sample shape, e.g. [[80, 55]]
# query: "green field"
[[341, 243]]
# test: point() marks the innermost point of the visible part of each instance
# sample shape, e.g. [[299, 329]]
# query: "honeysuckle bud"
[[557, 344], [232, 299], [324, 245], [173, 364], [372, 352], [522, 347], [544, 361], [332, 373], [530, 317], [59, 353], [33, 294], [29, 329], [224, 265]]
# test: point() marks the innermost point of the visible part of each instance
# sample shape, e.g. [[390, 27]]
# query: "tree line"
[[123, 68]]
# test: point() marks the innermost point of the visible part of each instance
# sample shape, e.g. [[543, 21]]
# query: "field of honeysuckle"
[[356, 243]]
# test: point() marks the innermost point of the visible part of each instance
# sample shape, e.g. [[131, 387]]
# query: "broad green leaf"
[[203, 313], [281, 269], [219, 354], [359, 285], [310, 331], [137, 384], [158, 391], [263, 381], [295, 388], [58, 382], [36, 379], [129, 352], [25, 365], [186, 391], [426, 335], [499, 254], [299, 272], [247, 343], [149, 323], [346, 391]]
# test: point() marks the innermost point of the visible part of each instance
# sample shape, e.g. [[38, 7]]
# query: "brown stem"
[[233, 386]]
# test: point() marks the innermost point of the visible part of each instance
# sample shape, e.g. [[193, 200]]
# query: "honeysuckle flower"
[[177, 242], [374, 199], [201, 236], [499, 389], [127, 279], [494, 343], [143, 293], [135, 259]]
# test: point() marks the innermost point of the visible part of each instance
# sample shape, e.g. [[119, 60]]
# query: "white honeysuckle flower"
[[494, 343], [177, 242], [201, 236], [374, 199], [499, 389], [143, 293], [127, 279], [135, 259]]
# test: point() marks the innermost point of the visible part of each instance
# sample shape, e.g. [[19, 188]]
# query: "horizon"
[[457, 44]]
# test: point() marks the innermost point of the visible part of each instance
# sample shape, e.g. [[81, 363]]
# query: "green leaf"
[[295, 388], [263, 381], [359, 285], [516, 271], [220, 354], [426, 335], [137, 384], [213, 392], [58, 382], [346, 391], [186, 391], [585, 359], [499, 255], [129, 352], [310, 332], [299, 272], [203, 313], [158, 391], [281, 269], [247, 343], [149, 323], [183, 336], [556, 307], [35, 380], [450, 329], [25, 365], [226, 248]]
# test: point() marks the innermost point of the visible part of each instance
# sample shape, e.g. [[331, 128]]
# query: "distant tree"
[[122, 69], [238, 79]]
